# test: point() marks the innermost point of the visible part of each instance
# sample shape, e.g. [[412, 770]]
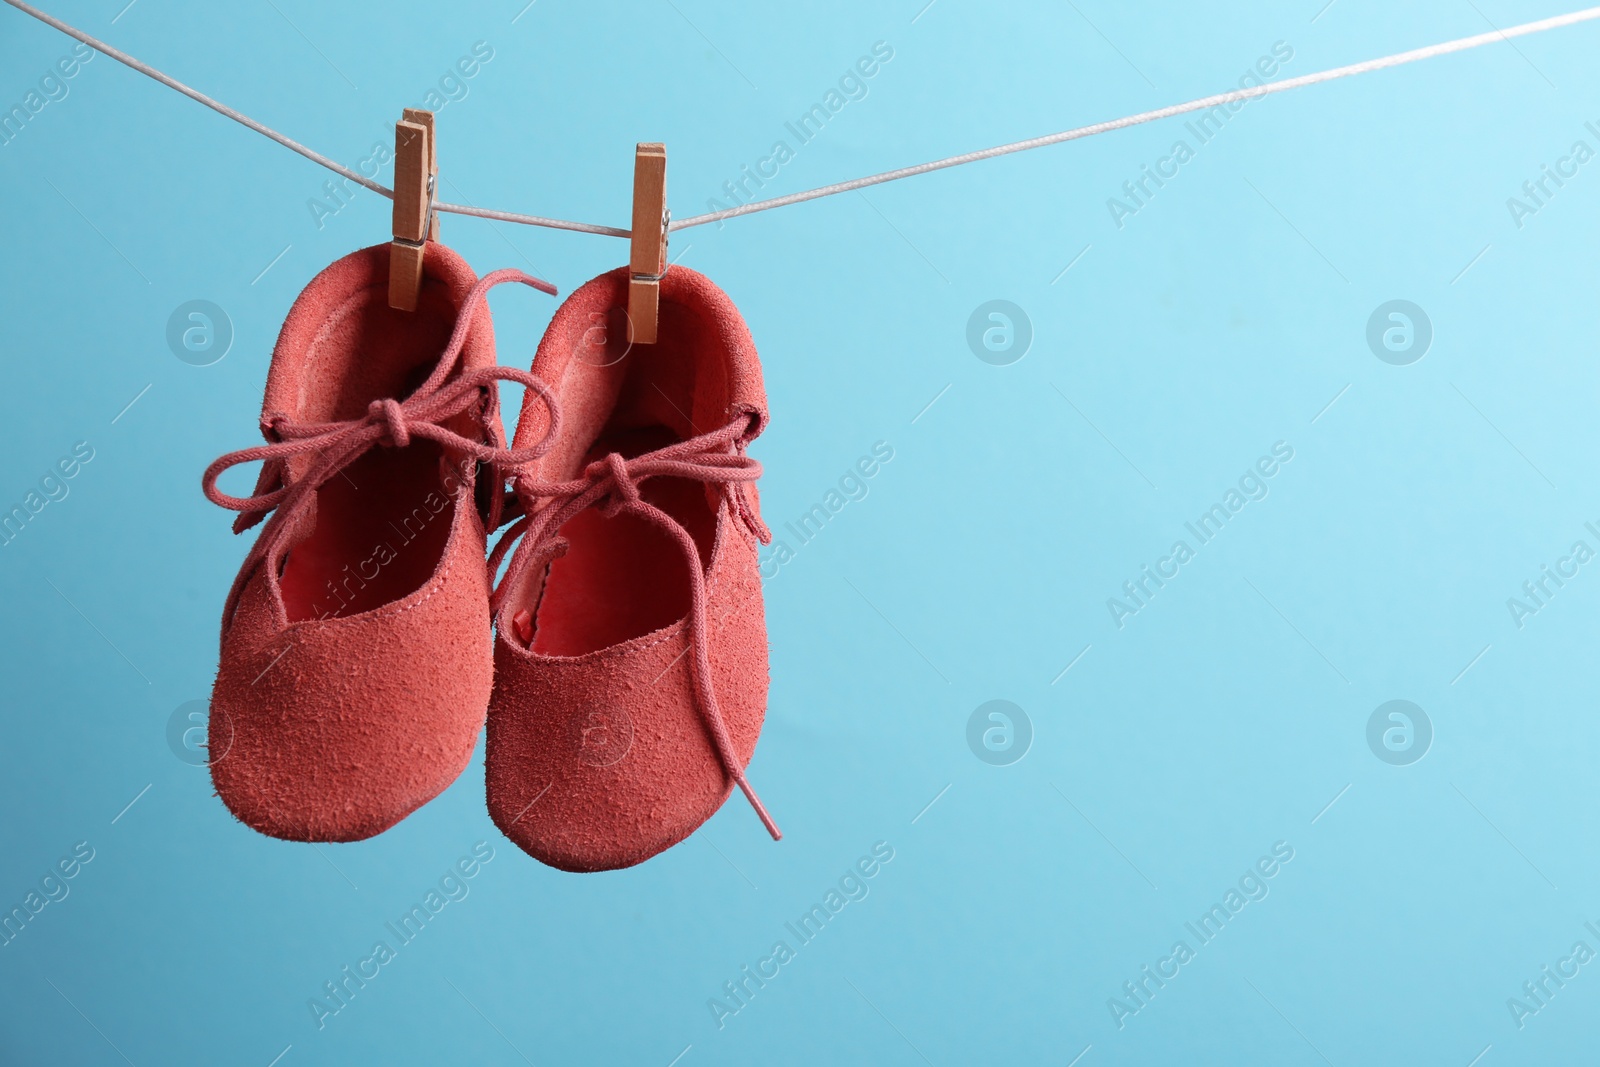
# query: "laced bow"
[[613, 483], [388, 422]]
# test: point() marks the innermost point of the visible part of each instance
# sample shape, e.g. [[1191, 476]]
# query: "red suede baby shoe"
[[356, 655], [631, 657]]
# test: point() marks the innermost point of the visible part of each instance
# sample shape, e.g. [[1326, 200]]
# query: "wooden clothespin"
[[416, 169], [647, 261]]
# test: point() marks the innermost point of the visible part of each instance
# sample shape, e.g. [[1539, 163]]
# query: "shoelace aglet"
[[761, 809]]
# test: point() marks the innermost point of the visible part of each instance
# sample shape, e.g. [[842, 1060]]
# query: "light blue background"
[[1223, 317]]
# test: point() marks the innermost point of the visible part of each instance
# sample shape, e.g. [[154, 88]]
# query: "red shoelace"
[[388, 422], [613, 483]]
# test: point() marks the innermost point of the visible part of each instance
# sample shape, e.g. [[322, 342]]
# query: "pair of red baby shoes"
[[621, 660]]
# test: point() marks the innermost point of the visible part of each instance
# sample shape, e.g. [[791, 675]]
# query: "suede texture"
[[599, 758], [333, 724]]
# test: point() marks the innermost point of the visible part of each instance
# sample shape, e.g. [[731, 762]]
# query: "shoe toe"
[[335, 730], [601, 761]]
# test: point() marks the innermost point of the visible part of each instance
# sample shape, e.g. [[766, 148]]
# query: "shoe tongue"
[[701, 374], [342, 346]]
